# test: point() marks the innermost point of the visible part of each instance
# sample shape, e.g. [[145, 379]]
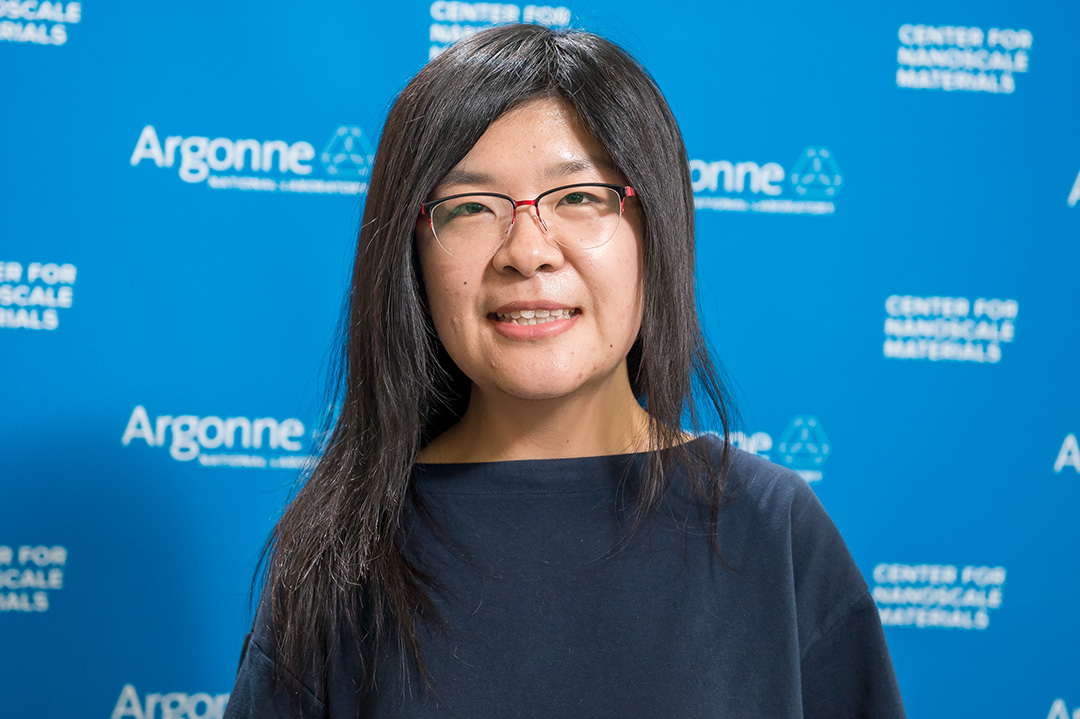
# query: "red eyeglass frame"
[[623, 190]]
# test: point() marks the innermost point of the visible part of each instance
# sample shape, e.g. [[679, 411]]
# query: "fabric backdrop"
[[888, 253]]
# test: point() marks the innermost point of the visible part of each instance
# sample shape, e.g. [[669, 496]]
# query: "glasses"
[[582, 216]]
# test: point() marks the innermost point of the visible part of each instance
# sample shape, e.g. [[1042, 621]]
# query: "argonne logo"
[[174, 705], [1068, 456], [815, 180], [187, 436], [1058, 710], [281, 166], [803, 446]]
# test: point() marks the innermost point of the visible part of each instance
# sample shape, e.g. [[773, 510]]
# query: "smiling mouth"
[[534, 317]]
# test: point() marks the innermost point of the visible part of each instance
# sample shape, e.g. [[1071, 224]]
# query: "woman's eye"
[[466, 209], [578, 198]]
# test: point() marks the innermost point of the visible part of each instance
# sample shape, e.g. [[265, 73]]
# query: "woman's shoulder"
[[772, 518], [260, 673], [776, 512], [757, 483]]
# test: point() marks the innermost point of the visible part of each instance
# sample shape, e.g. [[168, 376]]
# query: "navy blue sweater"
[[551, 612]]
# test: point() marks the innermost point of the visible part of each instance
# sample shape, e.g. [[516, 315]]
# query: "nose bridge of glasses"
[[536, 210]]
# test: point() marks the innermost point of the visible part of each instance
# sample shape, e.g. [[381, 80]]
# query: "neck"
[[498, 427]]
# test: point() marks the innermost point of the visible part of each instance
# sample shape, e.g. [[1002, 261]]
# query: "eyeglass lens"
[[581, 217]]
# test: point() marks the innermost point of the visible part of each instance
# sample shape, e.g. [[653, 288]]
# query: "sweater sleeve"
[[254, 695], [845, 669], [847, 673]]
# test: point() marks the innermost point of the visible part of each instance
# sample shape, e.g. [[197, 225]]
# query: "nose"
[[527, 249]]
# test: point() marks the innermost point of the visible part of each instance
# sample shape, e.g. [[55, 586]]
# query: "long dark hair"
[[336, 566]]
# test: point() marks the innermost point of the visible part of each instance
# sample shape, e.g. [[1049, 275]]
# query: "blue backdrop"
[[889, 241]]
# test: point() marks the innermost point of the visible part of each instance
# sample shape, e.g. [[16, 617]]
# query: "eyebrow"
[[560, 169], [464, 177]]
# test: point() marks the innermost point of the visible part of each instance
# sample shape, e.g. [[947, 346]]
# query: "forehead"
[[542, 139]]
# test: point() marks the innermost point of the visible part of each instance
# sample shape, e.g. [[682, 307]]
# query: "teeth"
[[534, 317]]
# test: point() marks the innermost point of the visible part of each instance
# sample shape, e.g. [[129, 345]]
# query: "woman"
[[508, 519]]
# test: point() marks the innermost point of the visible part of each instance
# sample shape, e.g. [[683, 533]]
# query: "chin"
[[535, 393], [533, 390]]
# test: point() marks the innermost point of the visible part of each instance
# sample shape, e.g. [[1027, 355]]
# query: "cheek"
[[444, 303], [638, 303], [620, 298], [631, 267], [634, 298], [635, 310], [450, 295]]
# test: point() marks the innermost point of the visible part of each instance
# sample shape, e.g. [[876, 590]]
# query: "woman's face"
[[535, 147]]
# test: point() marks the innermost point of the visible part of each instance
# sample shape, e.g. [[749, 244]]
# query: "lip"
[[514, 331], [537, 305]]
